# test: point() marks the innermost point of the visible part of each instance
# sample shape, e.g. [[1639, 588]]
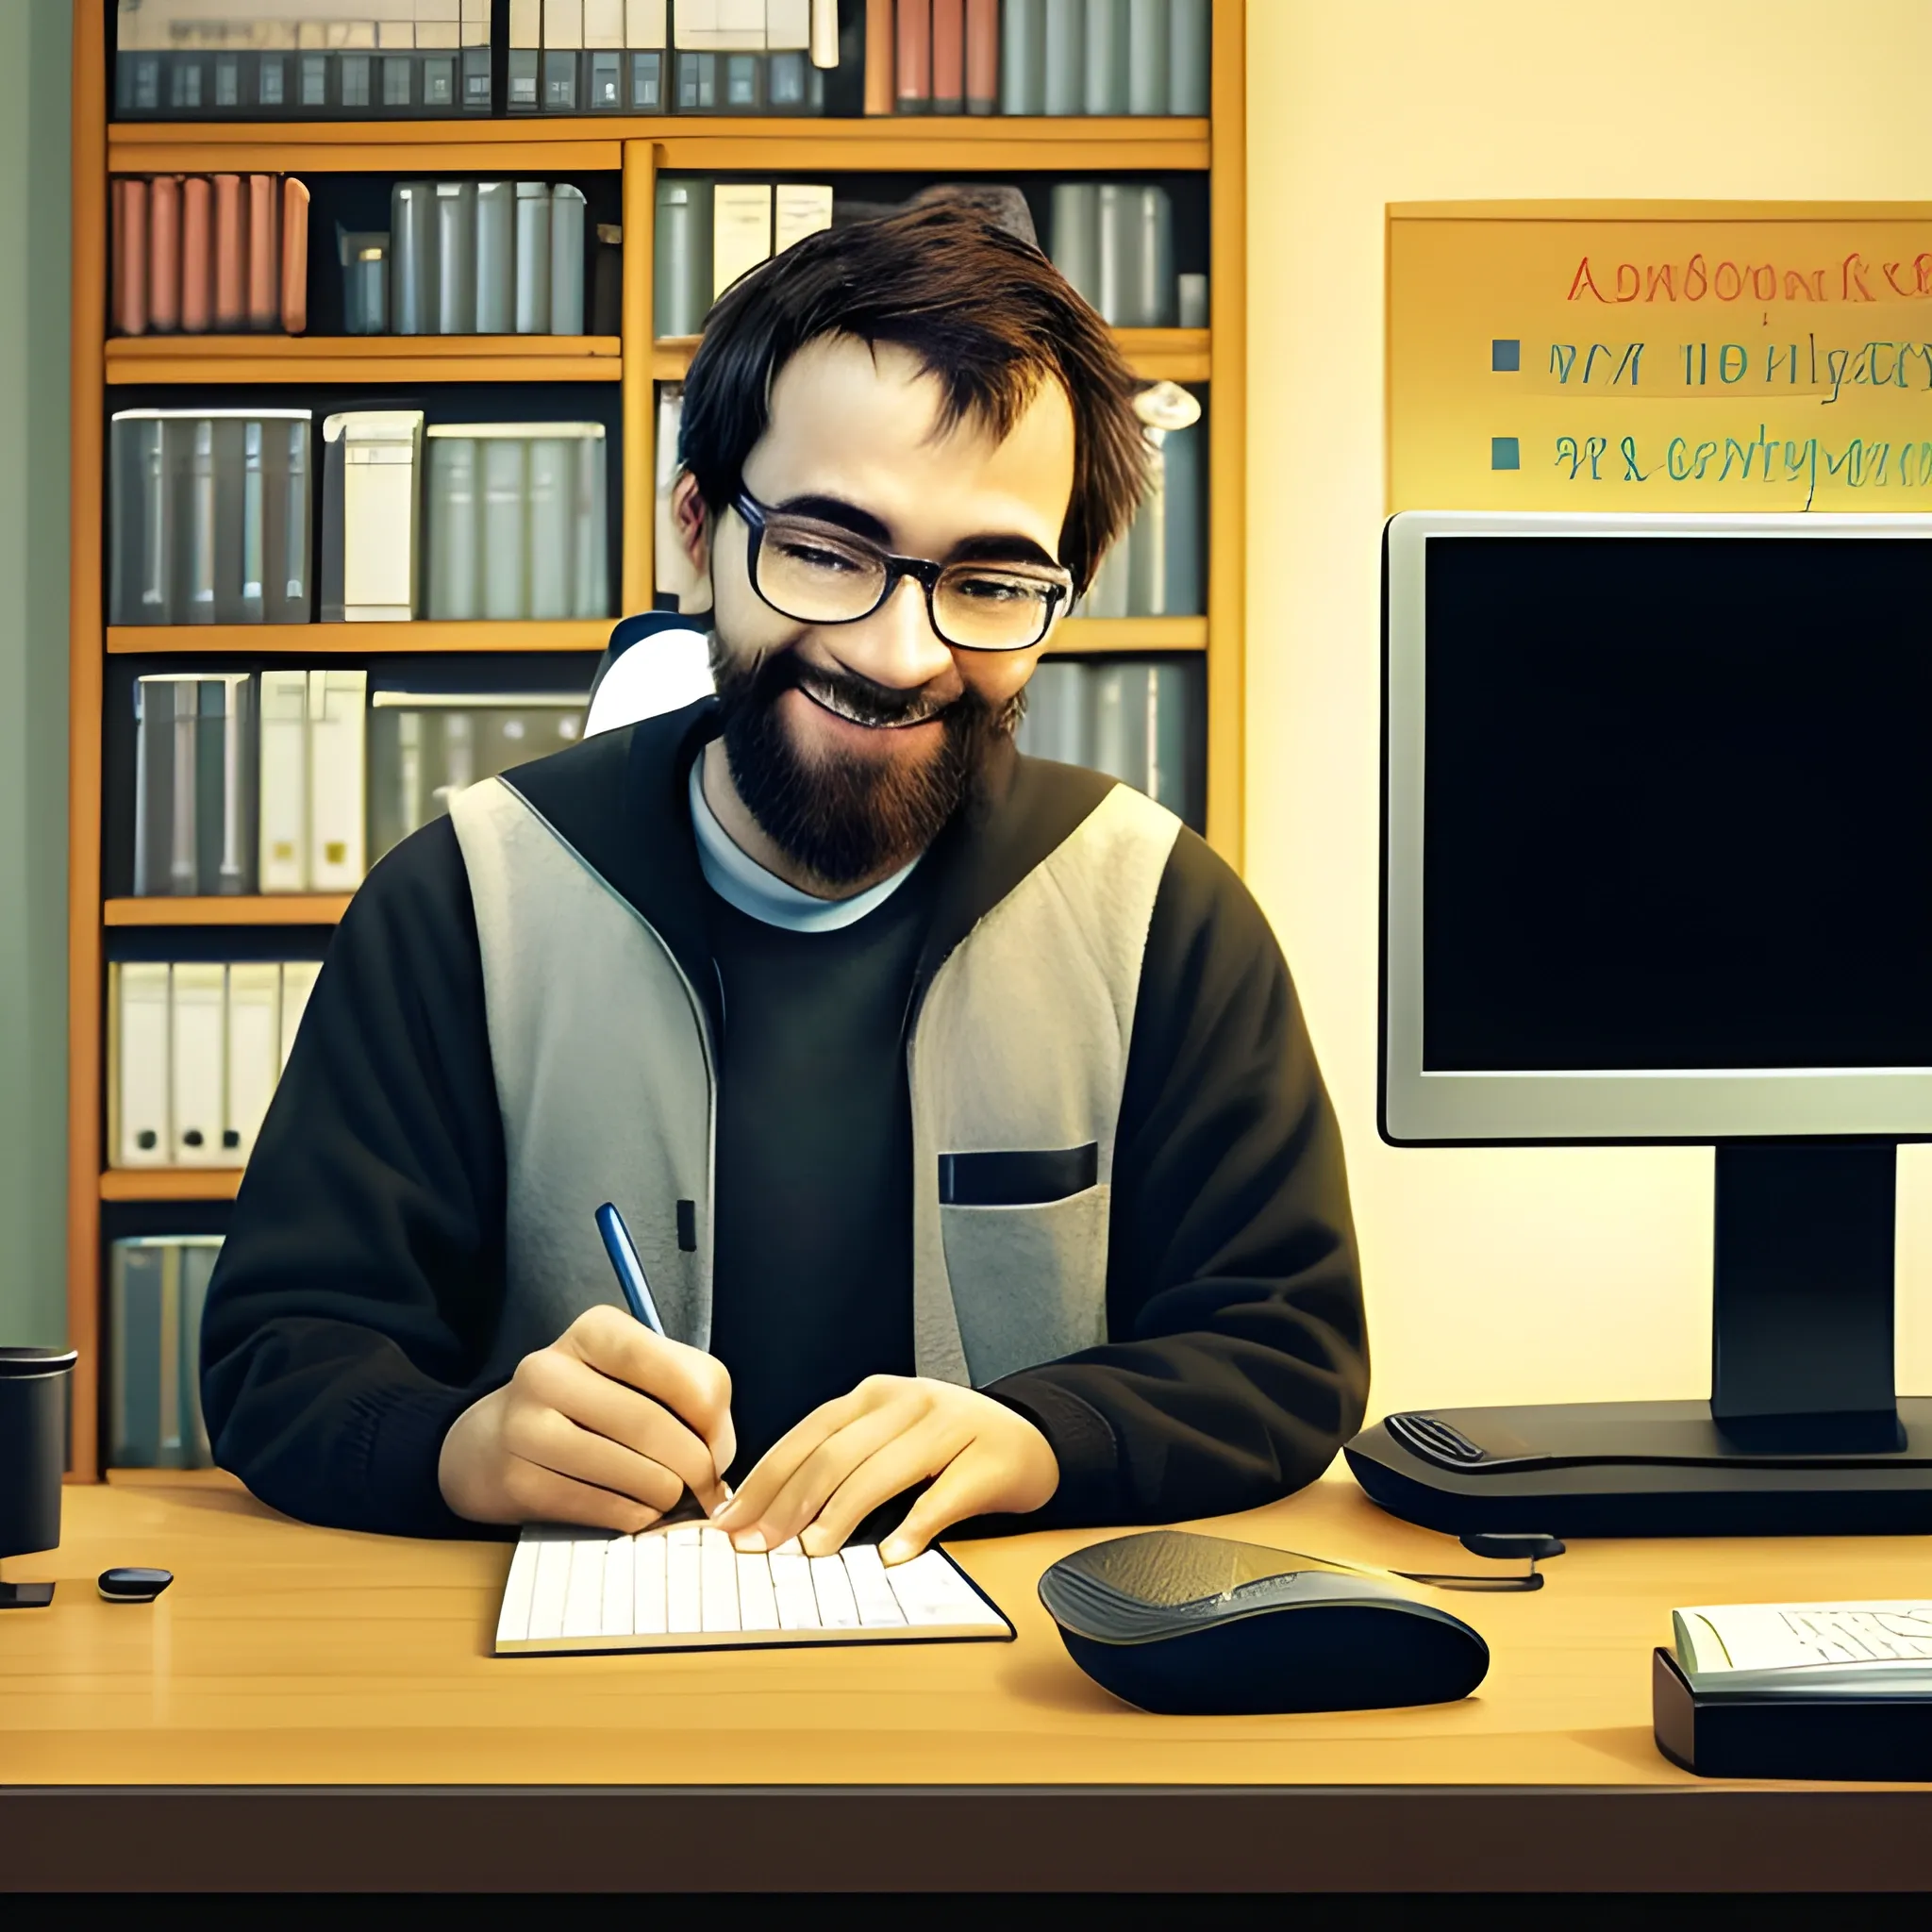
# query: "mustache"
[[848, 695]]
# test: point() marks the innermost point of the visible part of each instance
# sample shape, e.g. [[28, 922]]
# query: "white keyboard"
[[683, 1586]]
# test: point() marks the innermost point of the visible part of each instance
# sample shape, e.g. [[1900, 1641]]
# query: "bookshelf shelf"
[[427, 635], [539, 143], [245, 908], [227, 359], [1176, 354], [636, 149], [170, 1183]]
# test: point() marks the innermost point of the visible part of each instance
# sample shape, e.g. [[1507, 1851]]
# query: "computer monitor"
[[1658, 866]]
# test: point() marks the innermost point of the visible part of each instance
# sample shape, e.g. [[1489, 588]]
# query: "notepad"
[[682, 1586], [1807, 1648]]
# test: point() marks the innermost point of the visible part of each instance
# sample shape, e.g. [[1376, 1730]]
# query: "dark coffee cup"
[[33, 1446]]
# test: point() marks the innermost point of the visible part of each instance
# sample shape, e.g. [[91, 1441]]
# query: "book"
[[411, 254], [364, 258], [681, 283], [282, 843], [799, 209], [138, 1042], [1106, 43], [452, 309], [1188, 73], [264, 253], [370, 515], [568, 214], [525, 56], [156, 1295], [740, 230], [294, 289], [532, 258], [195, 807], [254, 1053], [199, 1254], [198, 1062], [949, 29], [231, 252], [912, 56], [452, 528], [879, 62], [1073, 236], [338, 737], [1064, 86], [982, 57], [1148, 56], [1138, 719], [164, 254], [197, 255], [1023, 57], [129, 220]]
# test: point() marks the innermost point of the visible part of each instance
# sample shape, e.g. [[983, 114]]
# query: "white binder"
[[284, 767], [298, 982], [255, 1051], [199, 1063], [338, 734], [138, 1059]]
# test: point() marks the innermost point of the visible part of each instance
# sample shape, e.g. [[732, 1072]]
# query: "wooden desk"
[[314, 1711]]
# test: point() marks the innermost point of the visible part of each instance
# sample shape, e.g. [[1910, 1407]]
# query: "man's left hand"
[[822, 1478]]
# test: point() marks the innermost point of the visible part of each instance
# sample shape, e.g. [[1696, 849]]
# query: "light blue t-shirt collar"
[[740, 881]]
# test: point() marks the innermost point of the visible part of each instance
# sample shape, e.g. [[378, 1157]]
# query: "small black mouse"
[[132, 1586], [1198, 1625]]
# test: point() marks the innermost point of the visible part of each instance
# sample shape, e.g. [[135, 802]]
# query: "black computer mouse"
[[1196, 1626]]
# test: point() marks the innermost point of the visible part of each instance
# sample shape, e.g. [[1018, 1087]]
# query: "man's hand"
[[605, 1427], [822, 1478]]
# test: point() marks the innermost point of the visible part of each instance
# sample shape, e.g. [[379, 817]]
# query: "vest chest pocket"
[[1025, 1240]]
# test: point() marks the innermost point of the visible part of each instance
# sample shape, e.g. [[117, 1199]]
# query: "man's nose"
[[896, 647]]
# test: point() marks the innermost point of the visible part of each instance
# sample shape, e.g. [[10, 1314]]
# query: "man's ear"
[[691, 530]]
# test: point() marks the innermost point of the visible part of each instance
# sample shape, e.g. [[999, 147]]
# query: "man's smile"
[[838, 697]]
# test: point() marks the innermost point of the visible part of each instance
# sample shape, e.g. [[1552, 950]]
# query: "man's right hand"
[[605, 1428]]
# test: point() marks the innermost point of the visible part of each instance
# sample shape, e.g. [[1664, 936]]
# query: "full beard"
[[845, 817]]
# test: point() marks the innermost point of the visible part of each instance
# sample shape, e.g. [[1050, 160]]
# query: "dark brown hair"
[[983, 311]]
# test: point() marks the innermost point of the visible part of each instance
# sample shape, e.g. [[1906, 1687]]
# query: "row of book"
[[1139, 721], [1113, 241], [300, 60], [1036, 57], [200, 253], [195, 1050], [211, 518], [690, 56], [470, 258], [157, 1292], [297, 781], [707, 234]]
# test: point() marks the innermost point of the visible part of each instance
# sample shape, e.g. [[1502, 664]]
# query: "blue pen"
[[631, 1271]]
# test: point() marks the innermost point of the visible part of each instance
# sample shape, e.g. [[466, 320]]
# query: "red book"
[[164, 252], [264, 253], [197, 255], [949, 56], [131, 257], [912, 93], [294, 256], [879, 56], [231, 254], [982, 57]]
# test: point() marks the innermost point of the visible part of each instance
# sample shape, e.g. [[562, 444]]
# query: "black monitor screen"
[[1678, 804]]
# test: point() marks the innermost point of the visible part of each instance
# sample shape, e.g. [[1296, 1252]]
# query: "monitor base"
[[25, 1596], [1641, 1468]]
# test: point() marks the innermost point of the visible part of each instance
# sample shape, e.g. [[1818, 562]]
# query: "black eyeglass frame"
[[922, 570]]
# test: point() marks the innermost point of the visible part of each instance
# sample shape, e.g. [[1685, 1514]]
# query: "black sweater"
[[358, 1288]]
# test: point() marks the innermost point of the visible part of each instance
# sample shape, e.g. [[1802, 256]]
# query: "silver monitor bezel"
[[1579, 1105]]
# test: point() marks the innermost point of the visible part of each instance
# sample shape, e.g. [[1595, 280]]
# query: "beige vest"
[[607, 1085]]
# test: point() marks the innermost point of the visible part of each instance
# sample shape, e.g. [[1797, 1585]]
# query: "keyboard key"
[[930, 1591], [878, 1607], [620, 1565], [837, 1609], [647, 1606], [757, 1602], [718, 1572], [583, 1603], [683, 1590], [553, 1582], [798, 1603]]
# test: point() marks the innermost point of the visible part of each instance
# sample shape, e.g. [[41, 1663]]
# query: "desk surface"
[[291, 1674]]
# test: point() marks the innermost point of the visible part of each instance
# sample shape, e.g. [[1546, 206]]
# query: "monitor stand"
[[1803, 1434]]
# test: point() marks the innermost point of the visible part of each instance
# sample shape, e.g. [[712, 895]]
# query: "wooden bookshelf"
[[638, 148], [170, 1183], [1173, 355], [364, 359], [426, 635]]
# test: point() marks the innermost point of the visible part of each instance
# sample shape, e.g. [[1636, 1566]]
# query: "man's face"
[[852, 743]]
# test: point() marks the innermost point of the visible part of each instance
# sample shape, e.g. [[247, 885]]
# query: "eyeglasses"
[[817, 573]]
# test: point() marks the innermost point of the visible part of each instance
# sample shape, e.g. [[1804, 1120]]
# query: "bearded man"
[[960, 1104]]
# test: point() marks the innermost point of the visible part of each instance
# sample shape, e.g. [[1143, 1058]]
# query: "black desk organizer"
[[1750, 1734]]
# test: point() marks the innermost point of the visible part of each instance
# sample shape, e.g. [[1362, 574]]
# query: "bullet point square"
[[1505, 355], [1504, 454]]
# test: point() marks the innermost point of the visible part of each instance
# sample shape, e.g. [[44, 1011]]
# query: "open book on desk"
[[680, 1586], [1806, 1650]]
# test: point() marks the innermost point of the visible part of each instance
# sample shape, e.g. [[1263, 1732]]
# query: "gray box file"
[[195, 751]]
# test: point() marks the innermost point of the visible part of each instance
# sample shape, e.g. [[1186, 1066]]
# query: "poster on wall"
[[1659, 357]]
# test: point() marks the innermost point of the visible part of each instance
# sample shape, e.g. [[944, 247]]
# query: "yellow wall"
[[1520, 1275]]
